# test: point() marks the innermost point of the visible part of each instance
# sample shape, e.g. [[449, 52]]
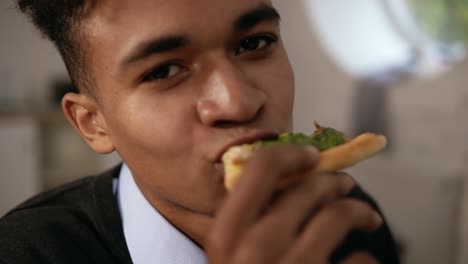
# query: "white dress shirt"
[[150, 237]]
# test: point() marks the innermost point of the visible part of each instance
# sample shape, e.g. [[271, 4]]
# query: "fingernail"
[[348, 183], [312, 150], [342, 174], [377, 219]]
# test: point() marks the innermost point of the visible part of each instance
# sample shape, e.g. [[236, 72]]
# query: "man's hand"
[[303, 223]]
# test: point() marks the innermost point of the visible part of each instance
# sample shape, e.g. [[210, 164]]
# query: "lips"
[[246, 138]]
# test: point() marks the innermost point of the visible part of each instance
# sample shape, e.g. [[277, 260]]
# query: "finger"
[[258, 181], [278, 228], [327, 230], [360, 258], [297, 203], [255, 188]]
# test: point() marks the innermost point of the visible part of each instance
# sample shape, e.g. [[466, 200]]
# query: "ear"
[[84, 114]]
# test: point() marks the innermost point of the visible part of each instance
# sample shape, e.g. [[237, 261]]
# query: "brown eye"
[[255, 43], [163, 72]]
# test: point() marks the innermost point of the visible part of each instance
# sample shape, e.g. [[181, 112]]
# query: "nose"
[[229, 97]]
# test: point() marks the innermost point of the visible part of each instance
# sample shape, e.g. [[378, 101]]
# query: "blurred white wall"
[[420, 182], [337, 22]]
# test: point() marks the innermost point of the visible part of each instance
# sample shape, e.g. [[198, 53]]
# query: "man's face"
[[179, 80]]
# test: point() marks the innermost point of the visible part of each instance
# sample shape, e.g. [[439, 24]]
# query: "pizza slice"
[[337, 151]]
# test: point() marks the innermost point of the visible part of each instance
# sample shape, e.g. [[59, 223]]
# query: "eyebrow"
[[156, 46], [164, 44], [263, 13]]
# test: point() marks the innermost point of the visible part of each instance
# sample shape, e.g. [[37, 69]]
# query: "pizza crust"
[[334, 159], [358, 149]]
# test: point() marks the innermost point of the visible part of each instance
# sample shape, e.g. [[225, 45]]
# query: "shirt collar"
[[150, 237]]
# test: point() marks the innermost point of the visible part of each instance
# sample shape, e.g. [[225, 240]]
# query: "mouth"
[[247, 138]]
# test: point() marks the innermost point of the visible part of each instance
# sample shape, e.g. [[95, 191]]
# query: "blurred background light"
[[366, 37]]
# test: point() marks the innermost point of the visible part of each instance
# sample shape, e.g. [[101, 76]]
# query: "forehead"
[[114, 9], [114, 18]]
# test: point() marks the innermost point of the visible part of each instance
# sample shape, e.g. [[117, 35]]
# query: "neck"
[[194, 225]]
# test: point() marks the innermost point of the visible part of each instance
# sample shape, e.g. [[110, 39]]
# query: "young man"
[[170, 85]]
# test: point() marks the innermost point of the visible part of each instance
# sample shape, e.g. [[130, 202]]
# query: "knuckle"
[[345, 184], [353, 212], [321, 189], [341, 209], [337, 211], [250, 252], [325, 187], [330, 187]]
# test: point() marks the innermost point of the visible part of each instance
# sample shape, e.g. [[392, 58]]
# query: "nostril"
[[225, 124], [238, 122], [260, 112]]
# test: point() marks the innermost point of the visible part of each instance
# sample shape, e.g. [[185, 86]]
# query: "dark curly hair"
[[59, 21]]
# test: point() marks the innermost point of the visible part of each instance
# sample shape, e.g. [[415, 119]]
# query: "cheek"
[[283, 83], [277, 80], [154, 124]]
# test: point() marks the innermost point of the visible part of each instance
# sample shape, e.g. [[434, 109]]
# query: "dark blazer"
[[80, 223]]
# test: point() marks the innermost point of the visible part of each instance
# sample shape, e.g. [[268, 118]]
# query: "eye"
[[256, 43], [163, 72]]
